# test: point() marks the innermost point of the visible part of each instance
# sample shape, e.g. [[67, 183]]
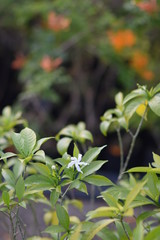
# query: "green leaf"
[[154, 234], [145, 215], [18, 143], [20, 188], [39, 155], [85, 134], [63, 144], [103, 212], [7, 155], [39, 182], [104, 127], [6, 198], [110, 199], [134, 94], [76, 233], [98, 180], [145, 169], [156, 158], [132, 106], [42, 169], [91, 168], [54, 196], [152, 181], [107, 232], [63, 216], [92, 154], [93, 230], [18, 169], [133, 194], [156, 89], [29, 138], [40, 142], [119, 98], [154, 104], [79, 185], [54, 229], [138, 232], [75, 151], [9, 177], [121, 232], [140, 169]]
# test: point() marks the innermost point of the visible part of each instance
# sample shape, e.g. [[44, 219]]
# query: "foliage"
[[28, 174], [66, 50]]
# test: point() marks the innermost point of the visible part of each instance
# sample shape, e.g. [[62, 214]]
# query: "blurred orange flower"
[[57, 22], [149, 6], [48, 64], [114, 150], [139, 63], [18, 62], [147, 75], [122, 39], [139, 60]]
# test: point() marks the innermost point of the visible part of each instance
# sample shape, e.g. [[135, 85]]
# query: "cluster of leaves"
[[27, 173]]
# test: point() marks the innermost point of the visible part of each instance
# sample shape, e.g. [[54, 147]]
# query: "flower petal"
[[71, 164], [78, 168]]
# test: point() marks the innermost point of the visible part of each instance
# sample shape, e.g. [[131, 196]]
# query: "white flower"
[[53, 167], [77, 163]]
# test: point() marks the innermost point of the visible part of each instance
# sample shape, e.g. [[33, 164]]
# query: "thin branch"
[[121, 149], [134, 137]]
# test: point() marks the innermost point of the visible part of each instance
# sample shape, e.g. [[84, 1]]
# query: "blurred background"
[[62, 62]]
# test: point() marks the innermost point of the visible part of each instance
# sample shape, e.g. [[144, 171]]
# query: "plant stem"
[[134, 137], [63, 195], [12, 226], [121, 149], [125, 230]]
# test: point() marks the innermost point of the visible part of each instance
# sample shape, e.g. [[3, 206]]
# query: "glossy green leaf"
[[6, 198], [152, 182], [154, 234], [104, 127], [86, 135], [98, 226], [133, 194], [138, 232], [18, 142], [156, 158], [103, 212], [9, 177], [7, 155], [144, 215], [40, 142], [42, 169], [97, 180], [79, 185], [63, 216], [54, 196], [75, 151], [132, 106], [54, 229], [39, 182], [29, 138], [154, 104], [76, 233], [156, 89], [134, 94], [92, 167], [20, 188], [92, 154], [63, 144]]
